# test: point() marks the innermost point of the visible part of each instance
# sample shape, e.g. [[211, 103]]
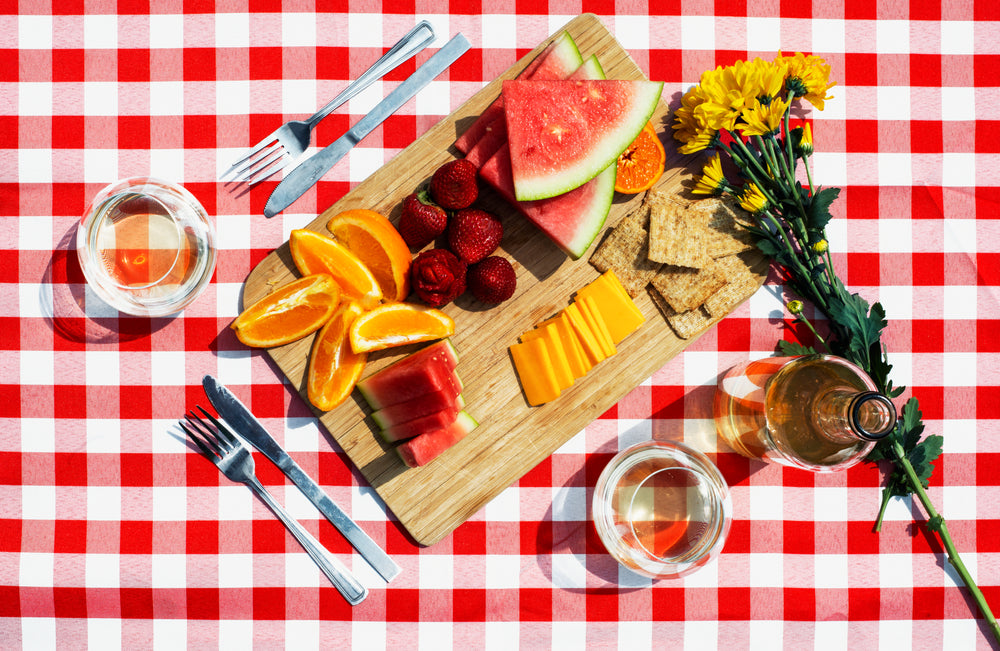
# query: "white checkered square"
[[434, 100], [633, 30], [895, 235], [569, 571], [172, 633], [894, 169], [34, 32], [34, 165], [958, 169], [766, 634], [38, 435], [501, 636], [830, 168], [505, 507], [33, 300], [169, 570], [100, 32], [167, 164], [631, 580], [102, 570], [369, 634], [100, 98], [960, 302], [232, 30], [365, 30], [830, 503], [167, 368], [434, 636], [766, 570], [104, 435], [959, 502], [958, 37], [831, 635], [895, 570], [892, 102], [701, 635], [235, 502], [236, 570], [831, 571], [902, 365], [575, 445], [366, 504], [102, 629], [34, 233], [897, 629], [697, 33], [227, 296], [500, 35], [298, 96], [170, 503], [102, 368], [960, 235], [892, 36], [897, 301], [364, 161], [40, 630], [104, 503], [828, 36], [959, 369], [298, 29], [701, 368], [956, 630], [166, 31], [36, 570], [959, 434], [765, 502], [959, 104], [37, 367], [302, 572], [232, 98], [166, 98], [234, 634], [571, 635], [100, 165], [763, 34], [502, 572]]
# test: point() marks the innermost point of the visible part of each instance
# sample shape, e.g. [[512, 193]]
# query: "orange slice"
[[334, 367], [315, 253], [641, 164], [290, 313], [378, 244], [397, 324]]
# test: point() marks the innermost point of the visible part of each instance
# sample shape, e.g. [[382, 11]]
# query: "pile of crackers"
[[690, 254]]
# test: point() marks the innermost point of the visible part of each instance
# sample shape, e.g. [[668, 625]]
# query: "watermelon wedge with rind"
[[571, 220], [562, 133], [417, 407], [422, 449], [556, 61], [427, 423], [429, 369]]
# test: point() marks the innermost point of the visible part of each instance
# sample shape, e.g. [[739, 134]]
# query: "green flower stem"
[[936, 522]]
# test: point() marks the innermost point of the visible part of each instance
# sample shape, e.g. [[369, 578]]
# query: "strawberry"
[[421, 220], [491, 280], [474, 234], [453, 185], [438, 276]]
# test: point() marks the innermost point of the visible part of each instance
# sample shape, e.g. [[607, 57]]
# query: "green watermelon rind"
[[605, 194], [603, 154]]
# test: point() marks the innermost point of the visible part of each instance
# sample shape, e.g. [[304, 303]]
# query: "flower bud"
[[795, 307], [821, 246]]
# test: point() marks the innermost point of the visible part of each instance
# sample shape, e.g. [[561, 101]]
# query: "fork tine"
[[222, 429], [266, 173], [245, 160], [197, 441], [252, 163], [208, 435]]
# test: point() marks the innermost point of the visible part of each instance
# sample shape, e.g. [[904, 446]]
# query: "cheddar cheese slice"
[[596, 322], [534, 368], [621, 315], [557, 354], [588, 340], [577, 359]]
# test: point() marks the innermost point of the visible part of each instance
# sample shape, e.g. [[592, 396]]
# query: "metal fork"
[[233, 458], [291, 140]]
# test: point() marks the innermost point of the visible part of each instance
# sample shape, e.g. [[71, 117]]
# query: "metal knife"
[[247, 426], [305, 175]]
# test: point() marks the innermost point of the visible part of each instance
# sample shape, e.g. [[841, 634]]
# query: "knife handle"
[[346, 583]]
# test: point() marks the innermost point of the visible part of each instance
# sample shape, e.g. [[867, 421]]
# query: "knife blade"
[[248, 427], [305, 175]]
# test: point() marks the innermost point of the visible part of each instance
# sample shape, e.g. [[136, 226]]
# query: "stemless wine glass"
[[662, 509], [146, 246]]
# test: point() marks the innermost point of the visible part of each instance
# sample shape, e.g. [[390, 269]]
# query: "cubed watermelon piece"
[[427, 370], [393, 431], [556, 61], [426, 447]]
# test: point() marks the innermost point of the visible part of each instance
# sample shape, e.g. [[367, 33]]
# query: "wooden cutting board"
[[512, 437]]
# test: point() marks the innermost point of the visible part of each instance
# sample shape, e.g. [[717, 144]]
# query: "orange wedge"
[[397, 324], [378, 244], [641, 164], [290, 313], [334, 367], [315, 253]]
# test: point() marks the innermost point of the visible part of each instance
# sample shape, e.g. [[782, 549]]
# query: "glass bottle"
[[817, 412]]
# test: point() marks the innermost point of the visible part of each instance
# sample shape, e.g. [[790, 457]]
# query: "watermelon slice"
[[419, 406], [570, 220], [556, 61], [407, 429], [426, 447], [429, 369], [563, 133]]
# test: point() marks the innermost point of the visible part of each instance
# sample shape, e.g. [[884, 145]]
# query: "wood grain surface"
[[512, 437]]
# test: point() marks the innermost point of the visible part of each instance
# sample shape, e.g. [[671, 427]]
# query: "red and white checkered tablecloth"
[[114, 533]]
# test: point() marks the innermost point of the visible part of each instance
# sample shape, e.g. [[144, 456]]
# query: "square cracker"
[[685, 324], [725, 225], [677, 236], [624, 251], [685, 289], [741, 282]]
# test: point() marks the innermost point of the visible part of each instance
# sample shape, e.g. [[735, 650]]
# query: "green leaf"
[[767, 247], [934, 524], [923, 455], [794, 349], [819, 208]]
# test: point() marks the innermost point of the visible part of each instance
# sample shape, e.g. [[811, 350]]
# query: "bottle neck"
[[847, 416]]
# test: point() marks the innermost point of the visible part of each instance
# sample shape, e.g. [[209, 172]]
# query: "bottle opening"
[[873, 415]]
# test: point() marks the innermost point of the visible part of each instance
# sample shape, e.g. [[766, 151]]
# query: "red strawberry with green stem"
[[474, 234], [421, 220], [453, 186]]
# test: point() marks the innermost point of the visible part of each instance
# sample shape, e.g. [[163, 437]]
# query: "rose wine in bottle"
[[817, 412]]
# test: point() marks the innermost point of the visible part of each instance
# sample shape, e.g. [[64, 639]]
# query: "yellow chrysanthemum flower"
[[806, 141], [808, 77], [760, 119], [752, 199], [770, 78], [712, 180]]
